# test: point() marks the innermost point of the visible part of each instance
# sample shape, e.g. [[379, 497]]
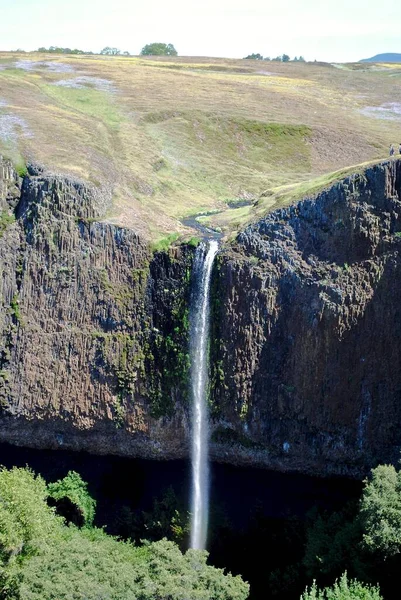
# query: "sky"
[[323, 30]]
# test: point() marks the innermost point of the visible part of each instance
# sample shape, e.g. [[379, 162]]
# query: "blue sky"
[[329, 30]]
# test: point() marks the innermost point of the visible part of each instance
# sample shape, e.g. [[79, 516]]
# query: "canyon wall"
[[307, 332], [305, 344], [88, 358]]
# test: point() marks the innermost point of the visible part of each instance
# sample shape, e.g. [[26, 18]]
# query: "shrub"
[[26, 521], [76, 490], [343, 590], [381, 511]]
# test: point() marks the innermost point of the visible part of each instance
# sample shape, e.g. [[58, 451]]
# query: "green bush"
[[343, 590], [43, 559], [380, 511], [163, 244], [26, 522], [75, 489]]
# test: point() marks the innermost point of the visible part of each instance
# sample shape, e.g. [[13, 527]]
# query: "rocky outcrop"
[[87, 354], [305, 340], [307, 334]]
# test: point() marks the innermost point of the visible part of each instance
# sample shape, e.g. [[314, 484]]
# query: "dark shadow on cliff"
[[349, 394]]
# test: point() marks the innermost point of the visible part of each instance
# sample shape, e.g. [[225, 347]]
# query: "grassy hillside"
[[174, 137]]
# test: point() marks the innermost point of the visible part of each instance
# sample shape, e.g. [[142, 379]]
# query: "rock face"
[[84, 345], [306, 337], [307, 348]]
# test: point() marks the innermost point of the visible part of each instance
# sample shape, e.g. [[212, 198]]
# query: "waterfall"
[[199, 338]]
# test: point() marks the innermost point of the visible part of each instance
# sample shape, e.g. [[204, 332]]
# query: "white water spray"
[[199, 337]]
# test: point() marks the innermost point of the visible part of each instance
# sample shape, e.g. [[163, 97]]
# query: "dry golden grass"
[[172, 137]]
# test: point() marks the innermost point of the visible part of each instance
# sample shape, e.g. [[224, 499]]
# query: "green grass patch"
[[194, 242], [12, 72], [287, 194], [10, 152], [231, 221], [164, 243], [224, 146], [89, 101], [211, 158], [21, 169]]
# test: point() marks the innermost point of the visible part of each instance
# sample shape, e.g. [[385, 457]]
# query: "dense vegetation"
[[44, 558], [364, 539], [347, 554], [343, 555]]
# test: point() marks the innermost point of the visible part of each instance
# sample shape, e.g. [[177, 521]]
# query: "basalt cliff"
[[305, 341]]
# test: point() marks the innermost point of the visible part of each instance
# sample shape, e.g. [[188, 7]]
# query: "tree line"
[[154, 49], [281, 58]]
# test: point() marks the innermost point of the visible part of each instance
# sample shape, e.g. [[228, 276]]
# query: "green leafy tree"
[[343, 590], [285, 58], [26, 522], [43, 559], [158, 49], [254, 57], [110, 51], [380, 511], [75, 489]]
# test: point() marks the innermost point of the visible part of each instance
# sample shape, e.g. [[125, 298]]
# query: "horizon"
[[89, 52], [335, 32]]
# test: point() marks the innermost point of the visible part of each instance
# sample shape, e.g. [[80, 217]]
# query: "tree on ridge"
[[110, 51], [254, 57], [159, 49]]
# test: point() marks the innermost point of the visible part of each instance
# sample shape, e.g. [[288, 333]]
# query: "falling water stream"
[[199, 338]]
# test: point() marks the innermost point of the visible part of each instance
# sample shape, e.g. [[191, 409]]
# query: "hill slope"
[[386, 57], [167, 138]]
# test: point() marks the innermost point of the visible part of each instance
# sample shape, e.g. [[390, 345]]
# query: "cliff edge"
[[308, 331], [305, 339]]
